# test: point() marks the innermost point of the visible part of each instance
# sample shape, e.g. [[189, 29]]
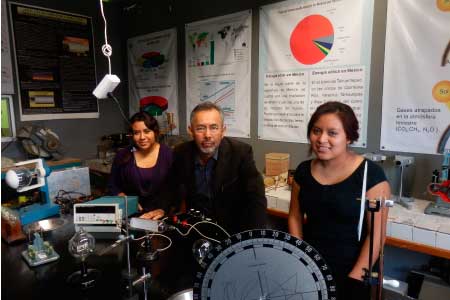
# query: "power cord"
[[198, 231], [191, 227], [120, 107], [106, 48], [156, 234], [66, 200]]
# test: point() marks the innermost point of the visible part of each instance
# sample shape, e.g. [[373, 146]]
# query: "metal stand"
[[85, 278], [145, 258], [439, 207], [442, 189], [129, 274], [403, 201], [371, 278]]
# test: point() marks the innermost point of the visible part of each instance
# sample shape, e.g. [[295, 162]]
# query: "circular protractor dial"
[[264, 264]]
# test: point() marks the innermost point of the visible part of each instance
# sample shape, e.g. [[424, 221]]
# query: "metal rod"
[[381, 259], [372, 223], [145, 283], [84, 269], [128, 235], [400, 193]]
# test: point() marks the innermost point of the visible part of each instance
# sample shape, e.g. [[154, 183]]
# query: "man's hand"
[[153, 215]]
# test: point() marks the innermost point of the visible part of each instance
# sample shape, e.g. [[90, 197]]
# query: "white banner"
[[218, 68], [153, 77], [416, 89], [311, 52]]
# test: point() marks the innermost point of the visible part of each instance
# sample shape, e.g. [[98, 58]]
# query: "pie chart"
[[312, 39]]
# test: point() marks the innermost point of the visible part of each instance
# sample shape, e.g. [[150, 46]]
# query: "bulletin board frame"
[[54, 59], [9, 131]]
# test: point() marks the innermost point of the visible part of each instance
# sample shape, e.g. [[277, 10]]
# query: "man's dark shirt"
[[203, 181], [237, 196]]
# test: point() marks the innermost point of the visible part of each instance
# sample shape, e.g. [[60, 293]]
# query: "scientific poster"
[[153, 77], [7, 73], [218, 68], [54, 56], [416, 88], [312, 52]]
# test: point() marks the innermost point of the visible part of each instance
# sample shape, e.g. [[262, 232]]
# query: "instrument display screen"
[[96, 209]]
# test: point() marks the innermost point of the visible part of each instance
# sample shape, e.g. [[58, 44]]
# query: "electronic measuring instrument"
[[264, 264], [97, 217]]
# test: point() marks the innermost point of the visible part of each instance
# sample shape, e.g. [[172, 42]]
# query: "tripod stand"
[[370, 277], [145, 257]]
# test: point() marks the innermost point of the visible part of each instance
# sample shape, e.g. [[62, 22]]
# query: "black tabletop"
[[171, 272]]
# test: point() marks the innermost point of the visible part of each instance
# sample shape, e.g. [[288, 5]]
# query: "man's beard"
[[208, 150]]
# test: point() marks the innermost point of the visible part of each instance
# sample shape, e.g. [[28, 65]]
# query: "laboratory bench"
[[55, 164], [49, 281], [409, 229]]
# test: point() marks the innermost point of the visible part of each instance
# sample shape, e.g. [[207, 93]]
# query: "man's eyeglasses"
[[212, 128]]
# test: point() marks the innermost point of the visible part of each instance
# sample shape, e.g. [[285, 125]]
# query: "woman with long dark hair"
[[141, 169]]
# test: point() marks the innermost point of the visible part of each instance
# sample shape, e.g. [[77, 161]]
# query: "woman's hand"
[[153, 215], [357, 275]]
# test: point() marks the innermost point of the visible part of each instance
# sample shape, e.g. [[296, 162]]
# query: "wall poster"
[[416, 88], [153, 77], [7, 73], [311, 52], [55, 63], [218, 68]]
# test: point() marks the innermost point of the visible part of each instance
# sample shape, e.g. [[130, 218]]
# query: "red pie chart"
[[312, 39]]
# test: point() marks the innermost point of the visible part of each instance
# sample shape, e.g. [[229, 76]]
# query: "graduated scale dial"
[[263, 265]]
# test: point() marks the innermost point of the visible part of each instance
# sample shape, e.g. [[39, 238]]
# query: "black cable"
[[120, 108], [66, 200], [62, 193]]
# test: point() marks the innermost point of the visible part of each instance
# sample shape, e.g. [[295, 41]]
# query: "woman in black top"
[[324, 210]]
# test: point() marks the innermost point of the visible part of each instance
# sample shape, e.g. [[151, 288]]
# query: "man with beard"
[[217, 175]]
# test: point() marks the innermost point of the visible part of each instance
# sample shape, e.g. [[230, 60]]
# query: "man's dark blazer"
[[239, 200]]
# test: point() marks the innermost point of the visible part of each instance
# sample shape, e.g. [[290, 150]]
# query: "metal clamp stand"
[[371, 278], [84, 278], [403, 201], [440, 188], [129, 274], [145, 258]]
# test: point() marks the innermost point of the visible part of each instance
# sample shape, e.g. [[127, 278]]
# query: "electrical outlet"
[[375, 156], [404, 161]]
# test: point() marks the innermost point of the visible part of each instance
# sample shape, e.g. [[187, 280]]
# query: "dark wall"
[[150, 16], [131, 18], [80, 136], [128, 18]]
